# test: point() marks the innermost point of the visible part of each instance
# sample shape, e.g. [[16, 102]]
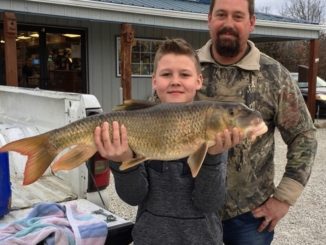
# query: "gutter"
[[126, 9], [289, 25]]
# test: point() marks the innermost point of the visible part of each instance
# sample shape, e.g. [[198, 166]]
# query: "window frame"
[[151, 54]]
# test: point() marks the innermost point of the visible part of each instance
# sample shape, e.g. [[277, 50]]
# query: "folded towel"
[[53, 223]]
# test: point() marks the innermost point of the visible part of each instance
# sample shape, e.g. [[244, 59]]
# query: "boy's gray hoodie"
[[174, 207]]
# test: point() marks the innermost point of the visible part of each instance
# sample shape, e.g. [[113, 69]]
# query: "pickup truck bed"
[[49, 188]]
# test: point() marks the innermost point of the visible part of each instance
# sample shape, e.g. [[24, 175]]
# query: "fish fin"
[[73, 158], [132, 162], [196, 159], [38, 156], [130, 105]]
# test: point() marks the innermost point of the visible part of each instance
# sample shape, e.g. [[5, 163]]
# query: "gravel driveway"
[[305, 224]]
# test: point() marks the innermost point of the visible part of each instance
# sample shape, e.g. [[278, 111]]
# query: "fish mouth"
[[245, 123], [255, 127], [252, 118], [256, 121], [252, 122]]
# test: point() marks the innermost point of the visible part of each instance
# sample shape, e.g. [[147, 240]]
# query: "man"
[[235, 70]]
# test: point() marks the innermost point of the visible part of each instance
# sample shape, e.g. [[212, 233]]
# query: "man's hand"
[[116, 149], [225, 141], [272, 211]]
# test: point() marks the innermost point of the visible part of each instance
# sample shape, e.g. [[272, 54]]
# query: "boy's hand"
[[257, 131], [116, 149], [225, 141]]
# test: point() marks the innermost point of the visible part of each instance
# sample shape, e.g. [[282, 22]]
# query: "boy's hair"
[[251, 7], [176, 46]]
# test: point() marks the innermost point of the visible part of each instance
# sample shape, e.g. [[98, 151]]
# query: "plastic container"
[[5, 186]]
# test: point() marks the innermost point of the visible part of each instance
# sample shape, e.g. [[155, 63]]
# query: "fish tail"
[[39, 158]]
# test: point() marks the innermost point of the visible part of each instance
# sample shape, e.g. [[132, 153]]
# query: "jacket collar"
[[249, 62]]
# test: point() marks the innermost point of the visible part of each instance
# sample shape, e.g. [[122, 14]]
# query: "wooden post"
[[312, 74], [127, 38], [10, 33]]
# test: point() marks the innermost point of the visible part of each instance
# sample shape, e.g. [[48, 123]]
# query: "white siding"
[[102, 24]]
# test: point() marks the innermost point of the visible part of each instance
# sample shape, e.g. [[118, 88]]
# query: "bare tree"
[[313, 11], [309, 10], [294, 53]]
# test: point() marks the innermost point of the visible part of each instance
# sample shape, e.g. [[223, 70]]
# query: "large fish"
[[165, 131]]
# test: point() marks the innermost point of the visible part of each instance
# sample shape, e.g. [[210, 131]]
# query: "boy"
[[174, 208]]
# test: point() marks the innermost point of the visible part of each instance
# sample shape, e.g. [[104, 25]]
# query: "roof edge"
[[106, 6], [125, 8], [289, 25]]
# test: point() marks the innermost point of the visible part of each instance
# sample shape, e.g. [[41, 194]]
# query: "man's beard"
[[227, 48]]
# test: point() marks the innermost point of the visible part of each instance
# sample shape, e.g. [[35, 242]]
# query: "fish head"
[[227, 115]]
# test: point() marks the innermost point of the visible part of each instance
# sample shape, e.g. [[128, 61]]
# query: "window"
[[142, 56]]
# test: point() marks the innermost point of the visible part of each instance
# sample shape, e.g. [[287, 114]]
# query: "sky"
[[275, 5]]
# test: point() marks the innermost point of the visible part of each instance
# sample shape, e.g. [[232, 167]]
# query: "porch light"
[[34, 34], [71, 35], [22, 37]]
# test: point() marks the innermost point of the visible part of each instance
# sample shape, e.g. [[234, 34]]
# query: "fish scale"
[[158, 131]]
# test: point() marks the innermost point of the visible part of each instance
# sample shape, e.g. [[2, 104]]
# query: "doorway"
[[51, 58]]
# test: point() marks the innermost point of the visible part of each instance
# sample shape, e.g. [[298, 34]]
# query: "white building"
[[88, 61]]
